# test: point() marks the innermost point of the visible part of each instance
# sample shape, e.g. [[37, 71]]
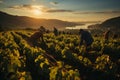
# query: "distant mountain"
[[12, 21], [113, 23]]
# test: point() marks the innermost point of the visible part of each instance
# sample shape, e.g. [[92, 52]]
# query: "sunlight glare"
[[37, 12]]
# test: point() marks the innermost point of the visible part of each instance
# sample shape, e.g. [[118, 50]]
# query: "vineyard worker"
[[86, 39], [106, 35], [36, 36]]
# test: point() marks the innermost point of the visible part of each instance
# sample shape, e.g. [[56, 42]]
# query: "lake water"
[[85, 26]]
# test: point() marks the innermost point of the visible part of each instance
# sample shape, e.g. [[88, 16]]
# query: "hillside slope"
[[113, 23], [12, 21]]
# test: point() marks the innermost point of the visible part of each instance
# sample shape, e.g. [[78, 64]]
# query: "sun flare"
[[37, 12]]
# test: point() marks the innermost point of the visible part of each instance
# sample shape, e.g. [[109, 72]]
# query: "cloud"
[[1, 1], [98, 12], [33, 0], [27, 7], [38, 7], [58, 10], [53, 3], [21, 7]]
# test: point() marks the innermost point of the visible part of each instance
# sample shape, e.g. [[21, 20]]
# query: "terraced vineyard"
[[58, 58]]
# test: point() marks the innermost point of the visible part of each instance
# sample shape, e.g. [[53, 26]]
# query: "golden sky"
[[67, 10]]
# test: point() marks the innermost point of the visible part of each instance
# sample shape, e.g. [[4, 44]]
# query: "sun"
[[37, 12]]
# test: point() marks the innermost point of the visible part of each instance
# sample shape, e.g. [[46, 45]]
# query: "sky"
[[67, 10]]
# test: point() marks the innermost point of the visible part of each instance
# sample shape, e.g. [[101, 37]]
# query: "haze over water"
[[84, 26]]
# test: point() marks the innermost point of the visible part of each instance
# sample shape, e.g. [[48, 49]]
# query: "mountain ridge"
[[111, 23], [14, 21]]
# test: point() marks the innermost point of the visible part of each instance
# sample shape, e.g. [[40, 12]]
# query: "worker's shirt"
[[87, 37], [37, 35]]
